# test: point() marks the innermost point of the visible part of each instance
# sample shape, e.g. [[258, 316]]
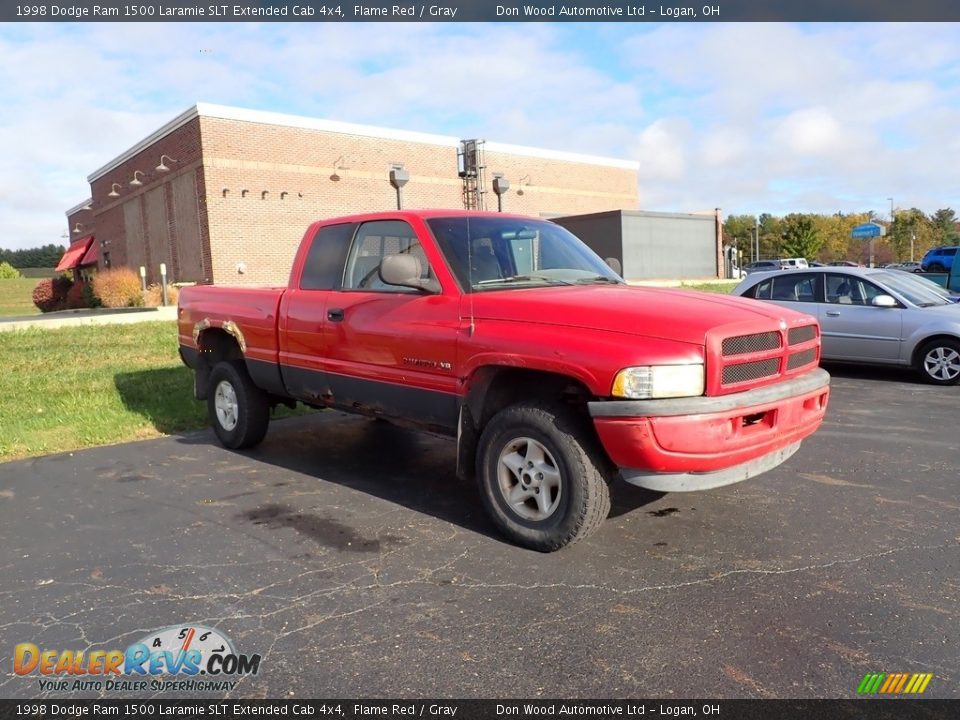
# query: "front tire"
[[938, 361], [542, 476], [239, 411]]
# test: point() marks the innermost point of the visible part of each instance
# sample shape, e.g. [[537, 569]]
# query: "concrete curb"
[[120, 318]]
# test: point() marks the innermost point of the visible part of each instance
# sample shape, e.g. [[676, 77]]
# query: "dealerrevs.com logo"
[[179, 657]]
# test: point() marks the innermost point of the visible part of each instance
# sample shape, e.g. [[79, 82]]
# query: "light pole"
[[756, 239]]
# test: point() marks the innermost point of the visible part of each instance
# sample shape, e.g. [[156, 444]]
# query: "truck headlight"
[[659, 381]]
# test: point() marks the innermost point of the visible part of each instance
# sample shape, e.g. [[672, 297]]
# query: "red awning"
[[71, 258], [91, 256]]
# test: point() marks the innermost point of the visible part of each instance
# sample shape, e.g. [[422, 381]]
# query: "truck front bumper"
[[687, 444]]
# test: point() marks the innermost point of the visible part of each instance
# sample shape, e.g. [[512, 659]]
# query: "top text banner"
[[638, 12]]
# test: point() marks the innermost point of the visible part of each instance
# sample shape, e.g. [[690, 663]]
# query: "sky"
[[746, 117]]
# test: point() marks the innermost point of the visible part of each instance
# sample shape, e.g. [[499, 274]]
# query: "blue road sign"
[[868, 230]]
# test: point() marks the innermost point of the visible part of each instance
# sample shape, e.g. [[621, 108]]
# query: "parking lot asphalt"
[[347, 554]]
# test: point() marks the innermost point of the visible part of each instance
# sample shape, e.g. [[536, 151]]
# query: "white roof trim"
[[179, 121], [79, 206], [307, 123], [561, 155], [264, 117]]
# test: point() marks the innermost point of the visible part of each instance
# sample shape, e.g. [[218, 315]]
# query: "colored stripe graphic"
[[894, 683], [889, 683]]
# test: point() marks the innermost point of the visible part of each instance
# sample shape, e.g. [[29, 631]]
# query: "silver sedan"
[[871, 316]]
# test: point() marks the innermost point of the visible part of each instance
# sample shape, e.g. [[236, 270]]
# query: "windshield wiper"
[[522, 278], [599, 279]]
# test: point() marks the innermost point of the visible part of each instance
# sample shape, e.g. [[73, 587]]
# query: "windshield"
[[930, 285], [914, 289], [494, 253]]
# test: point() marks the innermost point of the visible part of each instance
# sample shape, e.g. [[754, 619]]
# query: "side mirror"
[[404, 270], [615, 265], [884, 301]]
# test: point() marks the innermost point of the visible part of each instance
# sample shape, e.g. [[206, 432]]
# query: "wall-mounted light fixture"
[[136, 182], [398, 178], [500, 186], [525, 180], [77, 228], [337, 165], [162, 167], [113, 190]]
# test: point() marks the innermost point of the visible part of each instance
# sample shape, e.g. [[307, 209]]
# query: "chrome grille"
[[803, 334], [744, 372], [801, 358], [744, 344]]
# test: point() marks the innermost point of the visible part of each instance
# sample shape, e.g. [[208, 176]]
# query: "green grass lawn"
[[70, 388], [717, 287], [16, 297]]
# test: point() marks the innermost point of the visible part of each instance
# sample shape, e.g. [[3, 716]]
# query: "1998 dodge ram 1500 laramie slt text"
[[509, 334]]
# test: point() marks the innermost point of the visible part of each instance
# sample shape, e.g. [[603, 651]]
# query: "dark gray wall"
[[601, 231]]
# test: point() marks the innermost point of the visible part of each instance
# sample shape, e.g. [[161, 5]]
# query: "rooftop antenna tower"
[[470, 167]]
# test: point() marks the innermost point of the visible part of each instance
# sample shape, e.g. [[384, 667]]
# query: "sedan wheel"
[[940, 362]]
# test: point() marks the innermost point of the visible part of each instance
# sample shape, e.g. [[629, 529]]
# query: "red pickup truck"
[[510, 335]]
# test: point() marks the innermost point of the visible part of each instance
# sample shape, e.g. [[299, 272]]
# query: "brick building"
[[222, 194]]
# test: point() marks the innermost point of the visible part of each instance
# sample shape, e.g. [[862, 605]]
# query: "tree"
[[911, 228], [945, 227], [770, 236], [738, 231], [41, 257], [800, 237]]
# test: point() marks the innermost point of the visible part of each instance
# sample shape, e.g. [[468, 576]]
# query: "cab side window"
[[374, 241], [325, 258]]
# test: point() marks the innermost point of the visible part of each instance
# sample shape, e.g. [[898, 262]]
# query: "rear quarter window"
[[323, 269]]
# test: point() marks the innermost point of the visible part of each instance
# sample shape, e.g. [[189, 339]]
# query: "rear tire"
[[936, 268], [239, 411], [542, 476], [938, 361]]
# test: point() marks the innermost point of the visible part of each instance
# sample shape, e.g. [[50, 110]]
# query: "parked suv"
[[939, 259], [792, 263]]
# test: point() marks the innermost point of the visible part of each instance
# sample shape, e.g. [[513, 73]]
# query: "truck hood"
[[679, 315]]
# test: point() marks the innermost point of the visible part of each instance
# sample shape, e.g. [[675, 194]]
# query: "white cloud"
[[750, 117], [811, 132]]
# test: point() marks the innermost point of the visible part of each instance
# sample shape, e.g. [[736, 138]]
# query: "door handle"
[[336, 315], [833, 313]]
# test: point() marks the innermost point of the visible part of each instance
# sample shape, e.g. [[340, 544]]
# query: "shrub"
[[90, 300], [153, 297], [50, 294], [76, 298], [8, 271], [118, 287]]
